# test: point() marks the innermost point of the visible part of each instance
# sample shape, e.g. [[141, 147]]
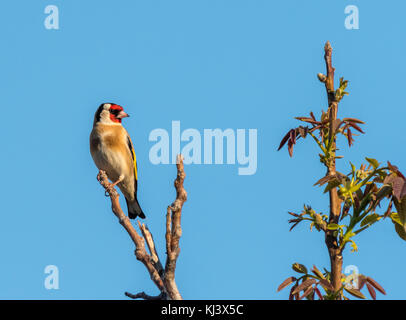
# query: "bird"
[[113, 152]]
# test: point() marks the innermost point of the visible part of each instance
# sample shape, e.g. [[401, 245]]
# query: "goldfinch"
[[113, 152]]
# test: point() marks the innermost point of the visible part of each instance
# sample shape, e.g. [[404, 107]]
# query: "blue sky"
[[209, 64]]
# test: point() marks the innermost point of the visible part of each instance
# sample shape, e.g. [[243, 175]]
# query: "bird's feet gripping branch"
[[108, 187], [164, 278]]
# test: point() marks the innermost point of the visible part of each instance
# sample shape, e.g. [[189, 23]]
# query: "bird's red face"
[[117, 113]]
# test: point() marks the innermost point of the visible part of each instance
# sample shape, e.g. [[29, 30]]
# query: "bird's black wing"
[[130, 146]]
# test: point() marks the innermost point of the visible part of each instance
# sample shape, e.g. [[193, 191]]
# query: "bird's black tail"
[[134, 209]]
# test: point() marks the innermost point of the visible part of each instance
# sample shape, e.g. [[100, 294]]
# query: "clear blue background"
[[210, 64]]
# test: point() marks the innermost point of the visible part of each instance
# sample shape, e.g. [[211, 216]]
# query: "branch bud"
[[322, 77]]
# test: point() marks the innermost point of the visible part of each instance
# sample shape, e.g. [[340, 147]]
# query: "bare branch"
[[336, 259], [151, 247], [140, 251], [164, 279], [174, 232], [143, 295]]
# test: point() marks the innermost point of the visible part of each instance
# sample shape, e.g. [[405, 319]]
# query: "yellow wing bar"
[[135, 164], [130, 145]]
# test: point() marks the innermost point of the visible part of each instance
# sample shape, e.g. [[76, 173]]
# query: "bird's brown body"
[[113, 152]]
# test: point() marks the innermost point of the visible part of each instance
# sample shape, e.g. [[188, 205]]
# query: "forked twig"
[[164, 279]]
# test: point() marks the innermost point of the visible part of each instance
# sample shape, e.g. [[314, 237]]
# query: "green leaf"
[[372, 218], [400, 231], [353, 169], [333, 226], [331, 185], [400, 206], [299, 268], [348, 236], [395, 218], [399, 227], [373, 162], [319, 221], [353, 246]]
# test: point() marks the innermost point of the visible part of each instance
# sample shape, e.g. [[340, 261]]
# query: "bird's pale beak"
[[122, 115]]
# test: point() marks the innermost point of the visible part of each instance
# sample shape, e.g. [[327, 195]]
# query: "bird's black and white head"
[[109, 113]]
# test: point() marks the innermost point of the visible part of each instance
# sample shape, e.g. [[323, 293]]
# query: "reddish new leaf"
[[396, 170], [336, 124], [356, 127], [293, 214], [315, 128], [286, 282], [361, 281], [318, 293], [399, 188], [355, 293], [317, 272], [284, 140], [353, 120], [389, 210], [290, 138], [303, 131], [308, 120], [324, 180], [376, 285], [345, 211], [293, 136], [290, 147], [312, 115], [292, 296], [326, 284], [349, 137], [307, 292], [304, 285], [371, 291], [291, 228]]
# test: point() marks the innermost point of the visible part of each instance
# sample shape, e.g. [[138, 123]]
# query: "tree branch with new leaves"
[[163, 278], [355, 198]]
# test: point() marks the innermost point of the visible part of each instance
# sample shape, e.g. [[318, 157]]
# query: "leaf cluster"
[[366, 195], [362, 192], [317, 286]]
